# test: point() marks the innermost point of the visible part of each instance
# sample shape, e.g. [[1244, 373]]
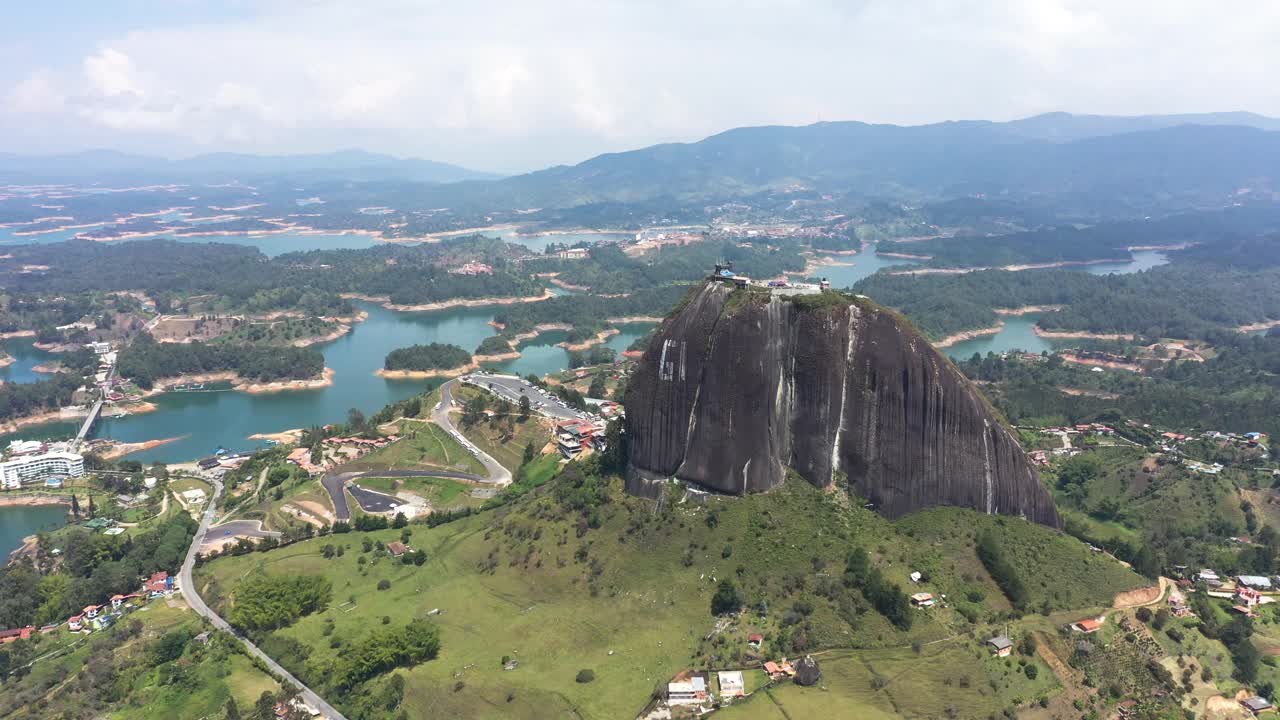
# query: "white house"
[[731, 684]]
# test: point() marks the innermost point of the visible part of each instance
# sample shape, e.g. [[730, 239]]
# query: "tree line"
[[145, 360]]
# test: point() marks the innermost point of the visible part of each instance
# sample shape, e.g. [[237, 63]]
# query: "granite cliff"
[[738, 385]]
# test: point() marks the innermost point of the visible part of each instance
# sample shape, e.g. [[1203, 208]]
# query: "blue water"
[[270, 245], [207, 420], [19, 521], [26, 356], [539, 243], [855, 267], [1017, 334], [1142, 260]]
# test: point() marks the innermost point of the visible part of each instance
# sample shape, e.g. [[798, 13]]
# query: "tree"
[[597, 388], [232, 710], [265, 707], [399, 521], [525, 408], [75, 505], [91, 508], [355, 419], [585, 676], [727, 599], [529, 453]]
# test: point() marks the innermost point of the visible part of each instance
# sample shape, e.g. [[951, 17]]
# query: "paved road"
[[372, 500], [188, 586], [237, 528], [495, 473], [334, 482], [498, 475]]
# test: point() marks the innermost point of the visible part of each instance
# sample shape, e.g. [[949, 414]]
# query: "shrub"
[[585, 676], [384, 584]]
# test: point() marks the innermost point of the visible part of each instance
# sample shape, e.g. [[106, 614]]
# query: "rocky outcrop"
[[739, 385]]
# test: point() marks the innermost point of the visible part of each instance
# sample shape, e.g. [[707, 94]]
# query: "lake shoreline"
[[385, 302], [960, 337], [427, 374]]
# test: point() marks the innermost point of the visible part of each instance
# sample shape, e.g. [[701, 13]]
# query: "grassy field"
[[629, 599], [423, 446], [441, 493], [954, 679], [115, 663]]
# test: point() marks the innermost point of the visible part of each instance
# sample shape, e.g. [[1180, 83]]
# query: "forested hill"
[[1182, 300], [1212, 232], [1178, 166]]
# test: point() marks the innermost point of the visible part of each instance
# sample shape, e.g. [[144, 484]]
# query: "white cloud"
[[511, 84], [37, 94]]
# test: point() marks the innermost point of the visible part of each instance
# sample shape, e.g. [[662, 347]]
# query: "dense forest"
[[1238, 390], [246, 280], [609, 270], [493, 345], [145, 360], [1182, 300], [21, 399], [433, 356], [1106, 241]]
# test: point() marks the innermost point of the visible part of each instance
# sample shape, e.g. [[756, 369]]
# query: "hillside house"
[[75, 623], [397, 548], [755, 640], [922, 600], [159, 585], [1001, 646], [732, 684], [23, 633], [1256, 582], [1257, 705], [1247, 597], [1087, 627], [688, 692], [92, 611]]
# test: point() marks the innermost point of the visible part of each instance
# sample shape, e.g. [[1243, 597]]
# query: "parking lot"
[[512, 388]]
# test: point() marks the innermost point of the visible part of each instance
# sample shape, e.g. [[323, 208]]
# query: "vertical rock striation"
[[739, 385]]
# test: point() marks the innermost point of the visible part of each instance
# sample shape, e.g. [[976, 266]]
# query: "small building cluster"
[[574, 436], [472, 268], [98, 617]]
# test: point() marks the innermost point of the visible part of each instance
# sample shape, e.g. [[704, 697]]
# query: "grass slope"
[[629, 599]]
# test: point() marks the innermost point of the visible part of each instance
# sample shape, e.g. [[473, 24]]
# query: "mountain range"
[[1183, 159], [109, 166]]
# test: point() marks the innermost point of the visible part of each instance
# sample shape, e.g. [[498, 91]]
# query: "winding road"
[[336, 482], [188, 587]]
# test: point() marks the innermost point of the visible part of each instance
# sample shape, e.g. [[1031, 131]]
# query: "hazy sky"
[[514, 85]]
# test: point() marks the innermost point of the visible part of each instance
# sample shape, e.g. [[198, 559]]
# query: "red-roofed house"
[[76, 623], [8, 636], [1088, 627], [754, 640], [397, 548], [1248, 597], [159, 585], [91, 611]]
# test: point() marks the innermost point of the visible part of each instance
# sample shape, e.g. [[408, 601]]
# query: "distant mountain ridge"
[[1136, 162], [353, 165], [1183, 160]]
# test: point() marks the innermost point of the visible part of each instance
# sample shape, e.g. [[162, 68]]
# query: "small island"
[[425, 361]]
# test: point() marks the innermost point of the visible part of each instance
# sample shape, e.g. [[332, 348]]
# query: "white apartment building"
[[31, 468]]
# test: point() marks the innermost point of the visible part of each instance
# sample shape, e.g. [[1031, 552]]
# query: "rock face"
[[739, 385]]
